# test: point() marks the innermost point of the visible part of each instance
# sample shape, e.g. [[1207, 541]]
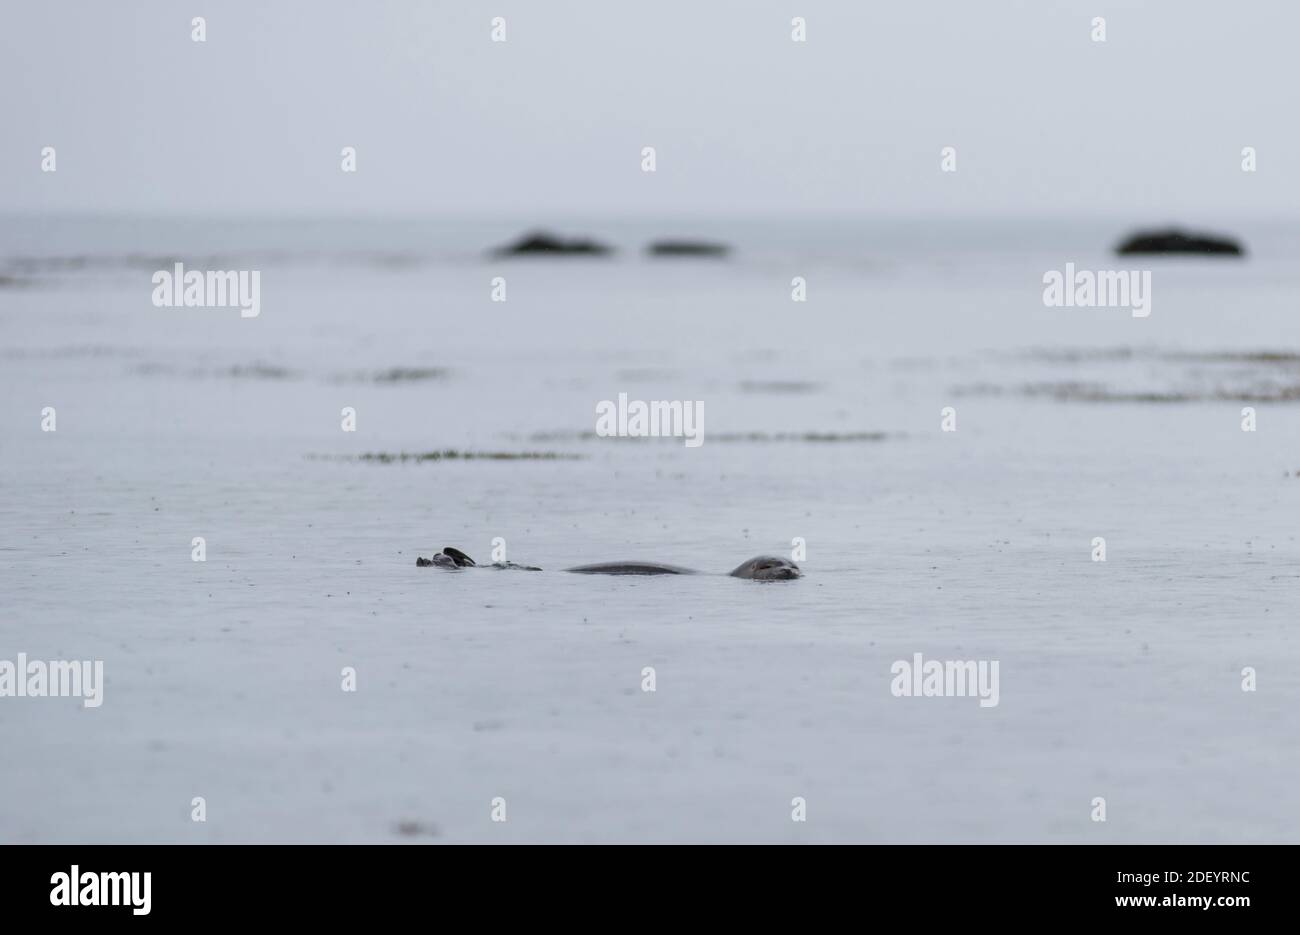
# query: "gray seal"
[[759, 568], [451, 557]]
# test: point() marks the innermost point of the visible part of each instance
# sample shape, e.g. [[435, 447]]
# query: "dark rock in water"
[[1176, 241], [541, 243], [687, 248]]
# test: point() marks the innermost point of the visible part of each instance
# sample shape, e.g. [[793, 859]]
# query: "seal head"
[[768, 568]]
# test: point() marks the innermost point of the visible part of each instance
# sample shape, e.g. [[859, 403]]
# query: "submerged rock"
[[546, 244], [687, 248], [1177, 241]]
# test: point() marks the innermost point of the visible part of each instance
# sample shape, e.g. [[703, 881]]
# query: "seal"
[[451, 557], [631, 568], [767, 568], [759, 568]]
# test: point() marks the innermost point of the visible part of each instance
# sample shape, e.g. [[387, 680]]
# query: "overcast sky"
[[744, 121]]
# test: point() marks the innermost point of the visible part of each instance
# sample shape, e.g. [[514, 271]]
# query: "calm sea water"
[[1119, 680]]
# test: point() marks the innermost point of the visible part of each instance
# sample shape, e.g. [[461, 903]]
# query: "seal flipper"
[[460, 558]]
